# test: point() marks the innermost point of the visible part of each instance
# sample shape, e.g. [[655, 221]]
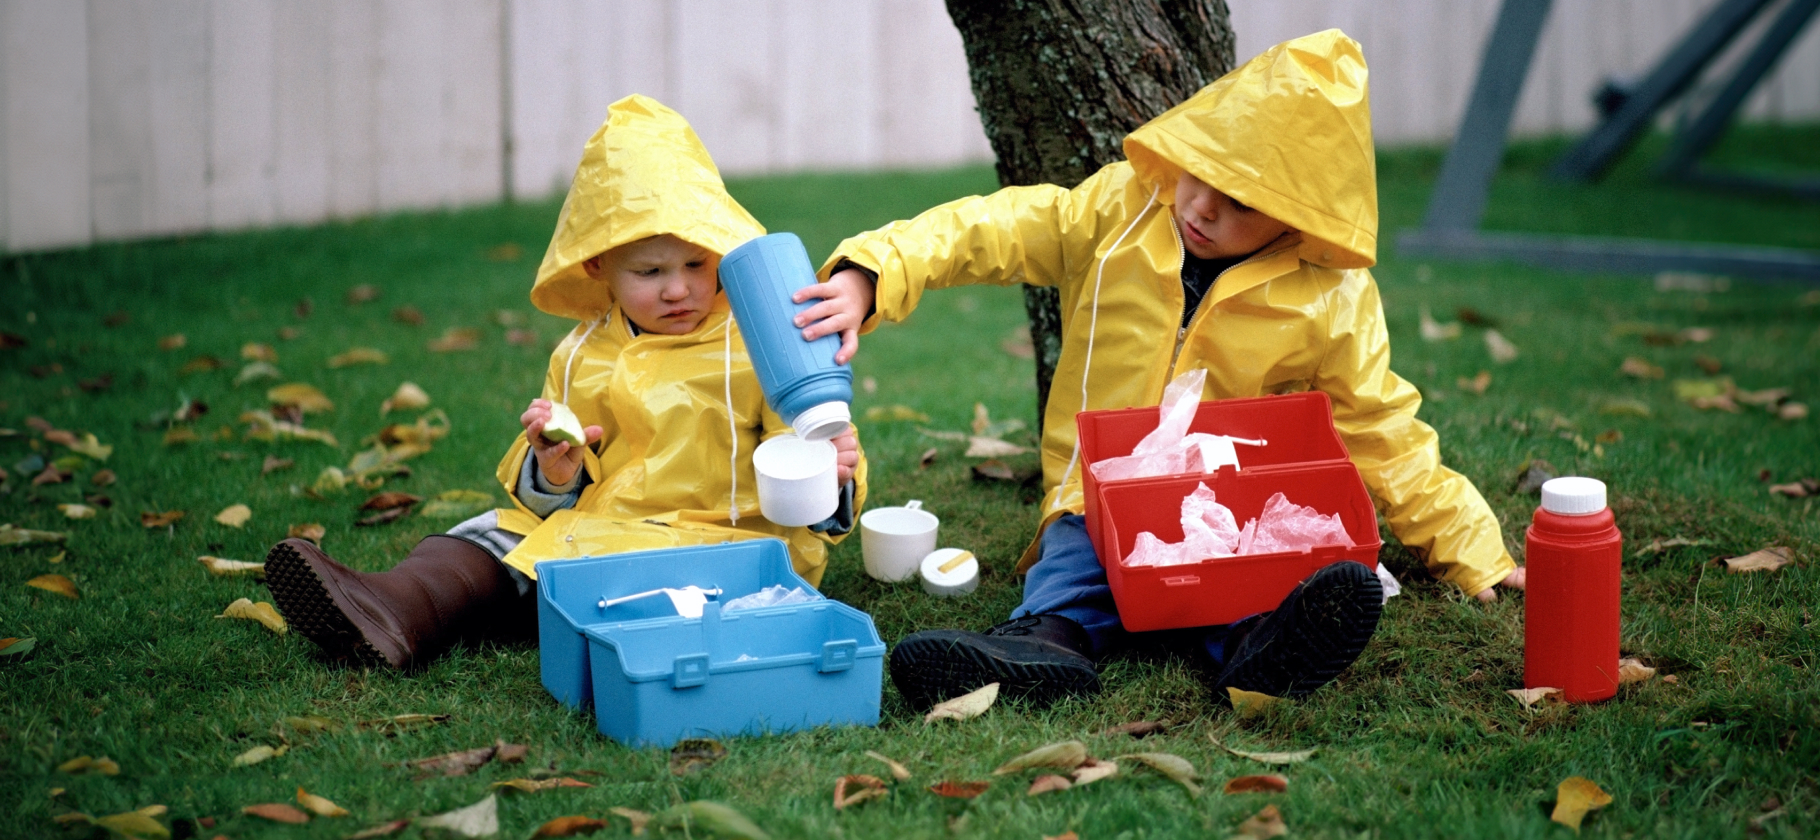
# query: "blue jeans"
[[1068, 581]]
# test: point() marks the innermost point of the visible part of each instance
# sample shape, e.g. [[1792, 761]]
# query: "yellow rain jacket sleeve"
[[681, 414], [1288, 134]]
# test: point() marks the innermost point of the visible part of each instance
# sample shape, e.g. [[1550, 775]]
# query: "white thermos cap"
[[1573, 495]]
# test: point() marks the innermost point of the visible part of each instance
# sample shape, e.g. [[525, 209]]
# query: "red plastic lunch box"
[[1304, 460]]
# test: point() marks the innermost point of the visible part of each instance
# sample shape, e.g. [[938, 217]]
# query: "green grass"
[[1417, 740]]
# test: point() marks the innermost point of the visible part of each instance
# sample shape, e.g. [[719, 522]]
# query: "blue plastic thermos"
[[800, 379]]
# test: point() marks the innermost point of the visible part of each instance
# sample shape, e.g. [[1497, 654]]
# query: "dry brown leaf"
[[1797, 489], [1047, 783], [223, 567], [277, 812], [254, 351], [1264, 824], [928, 457], [408, 315], [81, 764], [381, 830], [400, 723], [289, 333], [990, 447], [1476, 385], [51, 475], [480, 819], [692, 755], [1094, 770], [1763, 560], [638, 819], [1266, 783], [870, 787], [458, 763], [959, 790], [390, 499], [362, 293], [408, 397], [898, 771], [201, 364], [359, 356], [1066, 755], [1640, 369], [175, 341], [262, 612], [102, 478], [154, 519], [180, 435], [1792, 411], [1177, 768], [1529, 697], [382, 517], [969, 705], [1249, 702], [1574, 797], [11, 536], [1293, 757], [305, 397], [234, 516], [1066, 835], [1633, 670], [56, 584], [318, 805], [569, 826], [455, 338], [311, 531], [535, 785]]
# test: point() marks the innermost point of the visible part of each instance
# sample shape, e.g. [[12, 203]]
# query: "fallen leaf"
[[262, 612], [11, 536], [382, 517], [102, 478], [135, 824], [942, 434], [362, 293], [1641, 369], [1066, 835], [408, 397], [456, 504], [1660, 545], [1094, 770], [1500, 348], [400, 723], [1792, 411], [1533, 475], [256, 371], [1574, 797], [638, 819], [505, 252], [82, 764], [97, 384], [311, 723], [276, 812], [254, 351], [870, 787], [234, 516], [969, 705], [1695, 335], [319, 806], [1609, 436], [1018, 343], [306, 398], [1797, 489], [712, 817], [75, 511], [692, 755], [1633, 670], [898, 771], [54, 583], [1475, 385], [179, 435], [50, 475], [173, 342], [1292, 757], [480, 819], [307, 531], [1065, 754], [1261, 825], [869, 384], [259, 754], [1174, 766], [303, 308], [881, 413], [928, 457], [1529, 697], [505, 753], [569, 826], [157, 519], [15, 646], [381, 830], [389, 500], [959, 790], [458, 763], [1762, 560], [359, 356], [201, 364], [289, 333], [1267, 783], [1766, 398], [535, 785], [1047, 783], [455, 338], [57, 558], [1249, 702], [91, 447], [1435, 331], [521, 337], [990, 447]]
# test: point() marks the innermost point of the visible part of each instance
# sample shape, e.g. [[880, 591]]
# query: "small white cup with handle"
[[894, 540], [796, 480]]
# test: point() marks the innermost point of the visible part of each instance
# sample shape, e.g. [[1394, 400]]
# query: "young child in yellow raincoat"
[[1235, 238], [657, 373]]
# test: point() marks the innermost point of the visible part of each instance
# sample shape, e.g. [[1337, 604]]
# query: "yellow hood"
[[1288, 134], [644, 173]]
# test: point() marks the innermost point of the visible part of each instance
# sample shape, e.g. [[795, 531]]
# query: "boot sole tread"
[[1332, 628], [934, 668], [305, 603]]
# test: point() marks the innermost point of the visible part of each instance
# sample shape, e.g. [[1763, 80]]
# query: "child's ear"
[[591, 265]]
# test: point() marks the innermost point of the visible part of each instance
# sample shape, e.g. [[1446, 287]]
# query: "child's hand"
[[556, 460], [846, 456], [1514, 580], [846, 298]]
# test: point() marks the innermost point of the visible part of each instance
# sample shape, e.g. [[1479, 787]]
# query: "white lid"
[[959, 579], [824, 421], [1573, 495]]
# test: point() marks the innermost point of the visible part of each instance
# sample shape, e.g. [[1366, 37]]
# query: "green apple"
[[564, 426]]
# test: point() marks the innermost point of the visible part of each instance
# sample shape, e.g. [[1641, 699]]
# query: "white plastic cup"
[[894, 540], [796, 480]]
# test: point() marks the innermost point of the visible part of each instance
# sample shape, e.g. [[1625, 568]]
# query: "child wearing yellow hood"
[[1236, 238], [657, 373]]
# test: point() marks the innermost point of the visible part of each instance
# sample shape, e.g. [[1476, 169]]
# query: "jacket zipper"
[[1181, 333]]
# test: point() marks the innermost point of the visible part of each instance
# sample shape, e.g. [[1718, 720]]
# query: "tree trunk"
[[1059, 83]]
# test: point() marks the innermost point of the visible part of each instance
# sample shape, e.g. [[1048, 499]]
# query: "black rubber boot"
[[1039, 658], [1318, 631]]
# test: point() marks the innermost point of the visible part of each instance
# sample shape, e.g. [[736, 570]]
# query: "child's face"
[[1215, 227], [664, 284]]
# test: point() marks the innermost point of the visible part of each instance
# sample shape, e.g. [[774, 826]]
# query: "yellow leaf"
[[535, 785], [260, 753], [359, 356], [223, 567], [305, 397], [1633, 670], [1175, 767], [137, 824], [329, 481], [256, 370], [54, 583], [311, 723], [254, 351], [11, 536], [1640, 369], [969, 705], [173, 342], [234, 516], [91, 447], [1762, 560], [1476, 385], [1094, 770], [987, 447], [179, 435], [308, 531], [1295, 757], [76, 511], [408, 397], [1249, 702], [159, 519], [898, 771], [400, 723], [455, 504], [262, 612], [319, 806], [456, 338], [83, 764], [1574, 797], [1531, 696], [895, 412], [1066, 755]]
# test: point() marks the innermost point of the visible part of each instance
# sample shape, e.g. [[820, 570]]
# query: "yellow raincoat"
[[671, 463], [1288, 134]]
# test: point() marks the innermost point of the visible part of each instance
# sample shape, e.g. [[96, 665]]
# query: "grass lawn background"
[[1417, 740]]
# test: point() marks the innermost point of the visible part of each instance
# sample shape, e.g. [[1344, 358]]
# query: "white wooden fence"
[[122, 119]]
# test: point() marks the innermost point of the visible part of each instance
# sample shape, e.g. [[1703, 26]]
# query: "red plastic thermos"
[[1570, 606]]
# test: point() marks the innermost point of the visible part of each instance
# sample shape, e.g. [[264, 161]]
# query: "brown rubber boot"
[[407, 616]]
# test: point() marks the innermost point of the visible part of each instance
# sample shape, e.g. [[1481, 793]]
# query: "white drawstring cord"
[[1093, 323], [732, 426], [569, 365]]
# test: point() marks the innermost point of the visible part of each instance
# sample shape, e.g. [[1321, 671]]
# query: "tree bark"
[[1059, 83]]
